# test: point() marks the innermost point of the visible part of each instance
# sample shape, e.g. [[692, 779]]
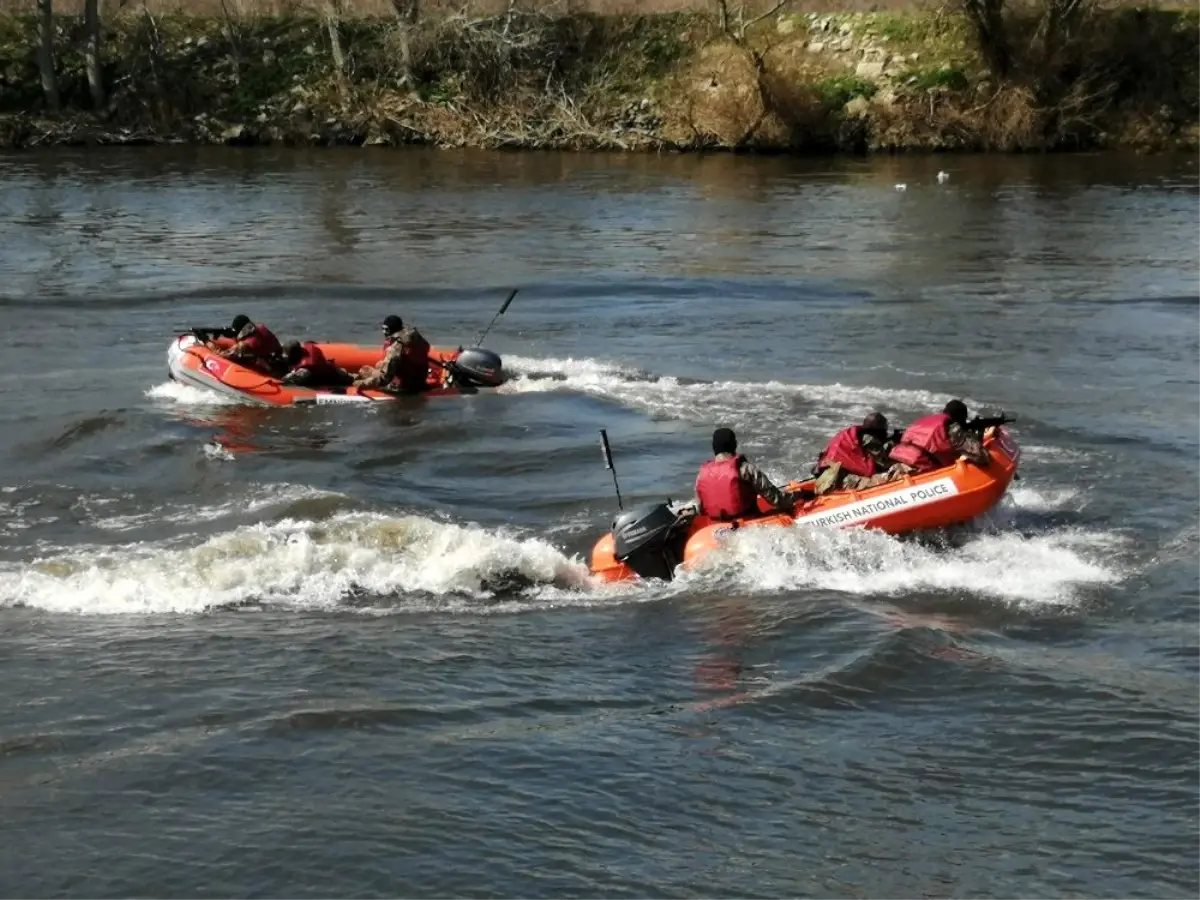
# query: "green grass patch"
[[948, 78], [838, 90]]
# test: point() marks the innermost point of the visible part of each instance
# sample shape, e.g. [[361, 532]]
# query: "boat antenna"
[[608, 464], [496, 316]]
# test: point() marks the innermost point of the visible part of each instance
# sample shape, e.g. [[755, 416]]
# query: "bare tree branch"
[[45, 28], [91, 52], [776, 8]]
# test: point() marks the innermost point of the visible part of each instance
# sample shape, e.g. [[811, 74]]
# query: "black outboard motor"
[[477, 366], [650, 539]]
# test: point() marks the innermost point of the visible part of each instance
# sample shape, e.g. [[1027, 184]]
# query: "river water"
[[354, 652]]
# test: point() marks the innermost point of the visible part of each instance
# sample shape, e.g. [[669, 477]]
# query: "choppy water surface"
[[346, 651]]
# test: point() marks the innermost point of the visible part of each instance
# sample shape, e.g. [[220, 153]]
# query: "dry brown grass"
[[633, 82], [436, 8], [724, 98]]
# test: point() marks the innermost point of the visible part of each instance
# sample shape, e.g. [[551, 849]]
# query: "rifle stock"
[[207, 333], [983, 423]]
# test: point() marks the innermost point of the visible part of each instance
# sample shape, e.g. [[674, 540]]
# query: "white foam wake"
[[383, 563], [294, 563], [799, 416], [1045, 570], [186, 395], [732, 402], [1053, 568]]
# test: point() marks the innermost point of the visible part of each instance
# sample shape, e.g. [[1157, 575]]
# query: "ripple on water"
[[340, 651]]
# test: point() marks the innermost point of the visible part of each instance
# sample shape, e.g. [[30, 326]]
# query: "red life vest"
[[413, 371], [721, 491], [846, 449], [312, 358], [263, 343], [925, 444]]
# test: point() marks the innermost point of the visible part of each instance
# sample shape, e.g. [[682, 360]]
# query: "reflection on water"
[[194, 217]]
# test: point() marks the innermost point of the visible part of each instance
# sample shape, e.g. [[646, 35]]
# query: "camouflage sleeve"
[[968, 444], [389, 366], [876, 449], [240, 349], [752, 475]]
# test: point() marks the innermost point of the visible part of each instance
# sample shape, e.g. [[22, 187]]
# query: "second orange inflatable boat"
[[653, 540], [451, 371]]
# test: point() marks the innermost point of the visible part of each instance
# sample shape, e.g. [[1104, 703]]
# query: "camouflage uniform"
[[763, 486], [834, 479], [968, 444], [243, 345], [965, 442], [388, 369], [247, 350]]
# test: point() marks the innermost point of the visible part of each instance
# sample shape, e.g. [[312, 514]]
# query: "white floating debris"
[[943, 177], [902, 187]]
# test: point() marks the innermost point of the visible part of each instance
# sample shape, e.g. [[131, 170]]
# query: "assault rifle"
[[980, 424], [207, 334]]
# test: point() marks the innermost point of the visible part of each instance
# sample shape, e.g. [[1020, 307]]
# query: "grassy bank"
[[544, 78]]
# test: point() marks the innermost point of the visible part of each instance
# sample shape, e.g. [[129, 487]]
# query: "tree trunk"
[[407, 14], [45, 28], [987, 21], [91, 53], [332, 18]]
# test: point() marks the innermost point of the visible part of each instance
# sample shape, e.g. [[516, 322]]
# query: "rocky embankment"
[[796, 83]]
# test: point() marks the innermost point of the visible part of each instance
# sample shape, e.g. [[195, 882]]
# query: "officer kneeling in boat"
[[729, 486], [405, 364], [254, 344], [856, 458], [938, 440], [308, 367]]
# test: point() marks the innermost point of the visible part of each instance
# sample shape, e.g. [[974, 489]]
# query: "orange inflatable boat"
[[458, 371], [653, 540]]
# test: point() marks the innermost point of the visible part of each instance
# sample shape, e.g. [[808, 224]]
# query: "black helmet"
[[392, 324], [292, 351], [724, 441], [876, 423], [240, 322], [957, 411]]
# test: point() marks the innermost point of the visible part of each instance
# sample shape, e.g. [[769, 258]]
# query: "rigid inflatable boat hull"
[[191, 362], [947, 496]]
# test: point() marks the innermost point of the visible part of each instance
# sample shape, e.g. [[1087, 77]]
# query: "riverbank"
[[800, 82]]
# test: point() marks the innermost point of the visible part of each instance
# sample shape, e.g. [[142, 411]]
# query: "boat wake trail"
[[1025, 554], [185, 395], [1053, 569], [360, 559], [764, 414], [734, 402], [312, 552]]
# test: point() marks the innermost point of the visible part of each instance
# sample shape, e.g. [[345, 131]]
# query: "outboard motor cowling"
[[650, 539], [478, 366]]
